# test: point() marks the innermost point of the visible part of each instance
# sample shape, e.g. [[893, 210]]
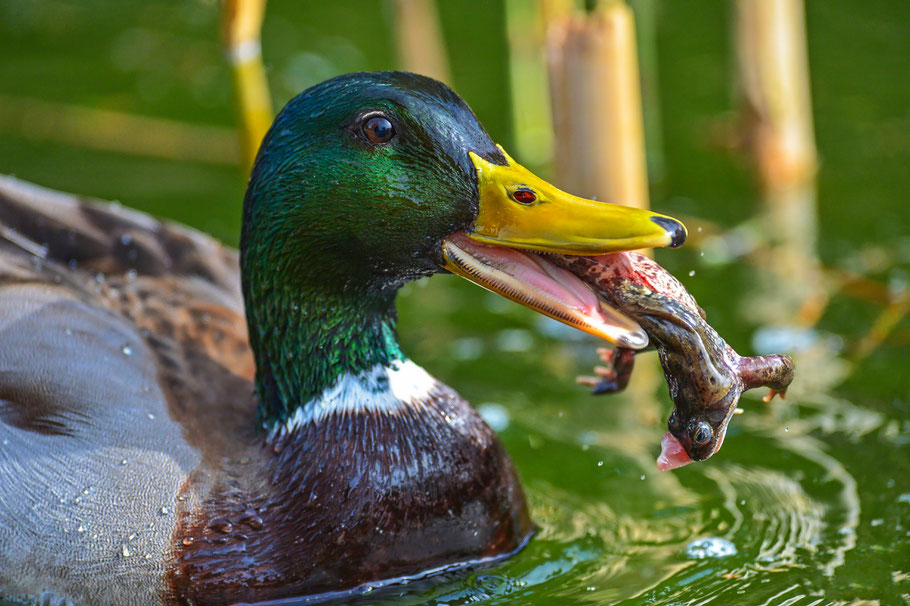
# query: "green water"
[[813, 493]]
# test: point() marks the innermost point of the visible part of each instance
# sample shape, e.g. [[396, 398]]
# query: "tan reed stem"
[[778, 135], [419, 40]]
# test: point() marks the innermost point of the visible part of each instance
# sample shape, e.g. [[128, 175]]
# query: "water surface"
[[807, 503]]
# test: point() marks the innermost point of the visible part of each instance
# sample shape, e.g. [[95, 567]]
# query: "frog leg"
[[773, 371], [614, 376]]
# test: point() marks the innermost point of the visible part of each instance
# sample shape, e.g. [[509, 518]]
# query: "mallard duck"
[[157, 448]]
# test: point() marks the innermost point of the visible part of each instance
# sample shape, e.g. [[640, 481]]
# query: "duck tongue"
[[533, 280]]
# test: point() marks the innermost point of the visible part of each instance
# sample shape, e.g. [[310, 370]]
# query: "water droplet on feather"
[[221, 525]]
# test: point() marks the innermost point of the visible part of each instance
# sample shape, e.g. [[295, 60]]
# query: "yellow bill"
[[521, 215]]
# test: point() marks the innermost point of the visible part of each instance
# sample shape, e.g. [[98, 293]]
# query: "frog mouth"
[[673, 454], [533, 280]]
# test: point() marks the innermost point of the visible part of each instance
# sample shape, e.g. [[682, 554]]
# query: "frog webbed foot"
[[774, 392], [614, 376]]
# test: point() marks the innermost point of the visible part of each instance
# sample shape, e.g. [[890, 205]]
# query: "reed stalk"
[[241, 30], [526, 30], [645, 12], [778, 135], [596, 101], [419, 39]]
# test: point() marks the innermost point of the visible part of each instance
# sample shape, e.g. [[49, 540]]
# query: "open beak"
[[520, 216]]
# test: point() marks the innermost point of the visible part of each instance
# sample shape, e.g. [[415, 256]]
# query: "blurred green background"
[[814, 493]]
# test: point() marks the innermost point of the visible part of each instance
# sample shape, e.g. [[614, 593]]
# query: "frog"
[[705, 376]]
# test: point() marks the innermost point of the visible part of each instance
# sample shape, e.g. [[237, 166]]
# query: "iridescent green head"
[[369, 180], [361, 178]]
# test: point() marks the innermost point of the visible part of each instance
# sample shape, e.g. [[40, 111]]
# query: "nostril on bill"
[[676, 230]]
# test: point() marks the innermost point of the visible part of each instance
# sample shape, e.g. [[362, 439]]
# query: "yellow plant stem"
[[242, 24]]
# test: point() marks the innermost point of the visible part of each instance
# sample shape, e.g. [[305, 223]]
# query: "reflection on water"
[[806, 502], [783, 523]]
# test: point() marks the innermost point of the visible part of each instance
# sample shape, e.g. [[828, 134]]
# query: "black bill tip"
[[676, 230]]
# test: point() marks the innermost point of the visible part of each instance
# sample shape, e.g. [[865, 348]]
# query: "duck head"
[[369, 180]]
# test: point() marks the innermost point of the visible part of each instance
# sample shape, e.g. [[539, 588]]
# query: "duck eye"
[[524, 195], [700, 433], [378, 130]]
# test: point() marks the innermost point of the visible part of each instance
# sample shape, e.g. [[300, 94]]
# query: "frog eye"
[[700, 433]]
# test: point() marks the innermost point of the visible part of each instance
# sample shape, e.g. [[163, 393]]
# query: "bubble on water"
[[600, 463], [469, 348], [495, 415], [771, 339], [877, 522], [150, 416], [81, 528], [710, 547], [642, 477], [514, 340], [787, 428], [163, 511], [587, 438], [126, 349], [904, 498], [691, 272]]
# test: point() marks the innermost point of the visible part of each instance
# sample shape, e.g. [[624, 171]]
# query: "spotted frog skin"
[[705, 376]]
